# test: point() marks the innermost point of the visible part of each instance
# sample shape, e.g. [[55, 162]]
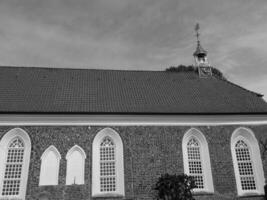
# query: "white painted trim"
[[81, 151], [16, 132], [204, 155], [248, 136], [96, 163], [130, 120], [58, 156]]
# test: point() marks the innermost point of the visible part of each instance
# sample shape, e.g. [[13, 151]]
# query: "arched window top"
[[16, 143], [244, 133], [76, 148], [107, 142], [247, 162], [107, 135], [193, 143], [241, 144], [16, 135], [196, 135], [53, 149]]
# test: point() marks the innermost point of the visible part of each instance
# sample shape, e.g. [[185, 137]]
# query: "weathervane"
[[197, 33]]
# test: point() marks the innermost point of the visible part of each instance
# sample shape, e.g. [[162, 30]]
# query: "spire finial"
[[197, 31], [199, 50]]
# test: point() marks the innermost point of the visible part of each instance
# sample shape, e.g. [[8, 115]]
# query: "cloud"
[[259, 86]]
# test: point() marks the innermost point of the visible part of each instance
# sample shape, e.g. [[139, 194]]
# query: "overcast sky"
[[137, 35]]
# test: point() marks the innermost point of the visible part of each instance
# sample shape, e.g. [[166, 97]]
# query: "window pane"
[[248, 183], [245, 166], [107, 165], [194, 162]]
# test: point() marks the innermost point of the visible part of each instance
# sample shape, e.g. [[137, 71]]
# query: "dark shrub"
[[175, 187], [182, 68]]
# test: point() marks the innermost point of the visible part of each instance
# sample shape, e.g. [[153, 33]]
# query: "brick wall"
[[148, 152]]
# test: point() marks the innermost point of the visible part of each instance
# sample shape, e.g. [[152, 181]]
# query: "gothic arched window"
[[108, 170], [75, 165], [247, 162], [15, 149], [50, 166], [197, 160]]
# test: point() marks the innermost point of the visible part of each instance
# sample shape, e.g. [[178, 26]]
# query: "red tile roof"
[[57, 90]]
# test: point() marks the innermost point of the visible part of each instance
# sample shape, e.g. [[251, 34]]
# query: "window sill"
[[251, 194], [108, 195], [76, 184], [48, 185], [200, 193]]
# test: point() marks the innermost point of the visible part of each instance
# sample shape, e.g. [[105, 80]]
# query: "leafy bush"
[[217, 73], [190, 68], [182, 68], [175, 187]]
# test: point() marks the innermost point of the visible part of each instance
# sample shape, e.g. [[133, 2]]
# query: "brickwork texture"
[[149, 151]]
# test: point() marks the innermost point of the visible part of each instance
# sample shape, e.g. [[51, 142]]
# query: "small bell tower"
[[200, 56]]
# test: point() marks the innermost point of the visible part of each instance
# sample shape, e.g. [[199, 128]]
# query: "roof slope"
[[56, 90]]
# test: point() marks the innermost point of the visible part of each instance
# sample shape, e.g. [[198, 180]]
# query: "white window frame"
[[205, 159], [81, 151], [96, 163], [53, 149], [249, 138], [7, 138]]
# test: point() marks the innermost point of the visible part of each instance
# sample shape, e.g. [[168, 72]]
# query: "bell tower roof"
[[201, 59], [200, 50]]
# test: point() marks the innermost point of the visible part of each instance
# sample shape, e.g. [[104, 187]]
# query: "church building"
[[87, 134]]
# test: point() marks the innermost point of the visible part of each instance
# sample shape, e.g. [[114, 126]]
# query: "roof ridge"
[[64, 68]]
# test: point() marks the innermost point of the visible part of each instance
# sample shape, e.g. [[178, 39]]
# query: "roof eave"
[[134, 113]]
